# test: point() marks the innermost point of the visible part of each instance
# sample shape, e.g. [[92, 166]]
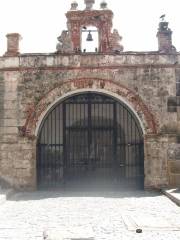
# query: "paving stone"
[[93, 215]]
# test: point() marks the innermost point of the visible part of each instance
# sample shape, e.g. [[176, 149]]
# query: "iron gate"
[[90, 138]]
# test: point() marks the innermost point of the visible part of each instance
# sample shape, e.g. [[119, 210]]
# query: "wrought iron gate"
[[90, 138]]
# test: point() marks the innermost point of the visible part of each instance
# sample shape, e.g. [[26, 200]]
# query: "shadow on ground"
[[80, 192]]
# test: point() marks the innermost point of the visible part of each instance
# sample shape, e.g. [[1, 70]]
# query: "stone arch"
[[132, 100]]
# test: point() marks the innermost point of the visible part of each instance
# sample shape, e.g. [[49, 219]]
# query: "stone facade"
[[147, 82]]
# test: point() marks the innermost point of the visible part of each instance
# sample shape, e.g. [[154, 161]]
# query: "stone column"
[[13, 44]]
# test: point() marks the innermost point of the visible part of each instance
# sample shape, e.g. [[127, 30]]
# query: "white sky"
[[40, 22]]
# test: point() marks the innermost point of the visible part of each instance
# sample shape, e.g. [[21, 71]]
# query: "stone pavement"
[[95, 215]]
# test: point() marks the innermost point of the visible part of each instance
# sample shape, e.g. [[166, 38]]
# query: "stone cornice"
[[89, 61]]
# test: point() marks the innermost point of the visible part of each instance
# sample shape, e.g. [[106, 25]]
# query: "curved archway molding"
[[37, 113]]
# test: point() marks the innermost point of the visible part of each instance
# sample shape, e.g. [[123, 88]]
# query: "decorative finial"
[[103, 5], [89, 4], [74, 5]]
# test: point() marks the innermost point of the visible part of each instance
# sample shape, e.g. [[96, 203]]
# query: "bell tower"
[[91, 21]]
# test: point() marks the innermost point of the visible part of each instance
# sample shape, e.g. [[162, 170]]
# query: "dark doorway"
[[90, 139]]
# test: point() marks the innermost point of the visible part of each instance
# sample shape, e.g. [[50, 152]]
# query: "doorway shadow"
[[84, 193]]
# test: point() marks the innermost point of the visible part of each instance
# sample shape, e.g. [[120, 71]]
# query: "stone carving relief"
[[65, 44], [115, 41]]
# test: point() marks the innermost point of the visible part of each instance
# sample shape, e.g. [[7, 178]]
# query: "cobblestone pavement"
[[110, 215]]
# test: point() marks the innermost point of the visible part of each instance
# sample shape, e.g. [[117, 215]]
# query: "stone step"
[[173, 194]]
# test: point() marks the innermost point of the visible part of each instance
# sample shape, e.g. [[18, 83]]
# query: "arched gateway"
[[90, 139]]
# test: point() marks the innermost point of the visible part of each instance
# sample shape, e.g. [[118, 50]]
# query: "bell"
[[89, 37]]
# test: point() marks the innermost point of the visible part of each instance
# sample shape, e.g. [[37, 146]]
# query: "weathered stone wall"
[[16, 154], [147, 79]]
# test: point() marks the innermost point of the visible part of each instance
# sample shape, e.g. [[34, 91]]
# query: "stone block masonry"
[[31, 86]]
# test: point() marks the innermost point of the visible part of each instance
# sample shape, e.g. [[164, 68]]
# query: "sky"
[[40, 22]]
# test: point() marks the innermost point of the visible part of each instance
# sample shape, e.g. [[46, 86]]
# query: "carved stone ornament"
[[65, 44], [74, 5], [103, 5], [89, 4], [115, 41]]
